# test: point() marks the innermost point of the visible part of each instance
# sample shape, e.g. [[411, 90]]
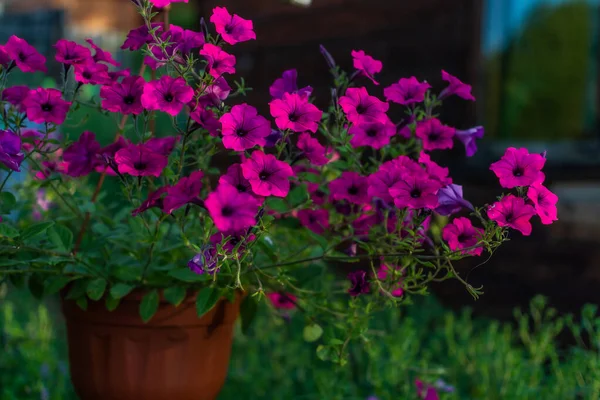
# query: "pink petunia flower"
[[435, 135], [15, 96], [455, 86], [519, 168], [392, 274], [162, 145], [116, 75], [91, 72], [294, 112], [70, 53], [215, 93], [381, 181], [232, 28], [350, 186], [360, 107], [416, 191], [406, 91], [81, 157], [435, 171], [235, 178], [164, 3], [25, 56], [359, 283], [10, 150], [468, 138], [46, 105], [288, 84], [124, 97], [4, 57], [185, 40], [219, 61], [206, 119], [314, 151], [167, 94], [185, 191], [138, 37], [154, 200], [512, 212], [315, 220], [282, 301], [366, 65], [231, 210], [107, 155], [461, 234], [425, 391], [544, 202], [102, 55], [375, 134], [242, 128], [267, 175], [138, 160], [318, 196]]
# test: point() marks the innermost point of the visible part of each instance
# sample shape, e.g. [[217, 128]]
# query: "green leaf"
[[319, 239], [186, 275], [95, 289], [61, 237], [82, 303], [7, 202], [298, 195], [325, 353], [120, 290], [266, 244], [312, 332], [206, 300], [8, 231], [149, 305], [248, 312], [175, 295], [77, 290], [36, 285], [55, 283], [11, 262], [36, 229], [111, 303], [276, 204]]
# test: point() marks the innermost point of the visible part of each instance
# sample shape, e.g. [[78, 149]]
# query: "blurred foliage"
[[539, 86], [479, 358]]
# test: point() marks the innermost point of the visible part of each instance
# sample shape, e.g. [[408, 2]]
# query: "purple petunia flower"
[[288, 84], [513, 212], [406, 91], [124, 97], [242, 128], [91, 72], [294, 112], [415, 191], [315, 220], [366, 65], [25, 56], [167, 94], [231, 210], [451, 200], [350, 186], [381, 181], [154, 199], [435, 171], [138, 37], [15, 96], [360, 107], [461, 234], [468, 138], [70, 53], [10, 150], [359, 283], [232, 28], [267, 175], [183, 192], [139, 160], [518, 167], [46, 105], [435, 135], [375, 134], [80, 158], [235, 177], [219, 61], [314, 151], [455, 86], [107, 155], [101, 55], [205, 261]]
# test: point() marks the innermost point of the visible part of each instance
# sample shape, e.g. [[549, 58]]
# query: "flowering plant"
[[233, 199]]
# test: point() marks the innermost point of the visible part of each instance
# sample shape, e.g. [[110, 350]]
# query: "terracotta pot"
[[176, 355]]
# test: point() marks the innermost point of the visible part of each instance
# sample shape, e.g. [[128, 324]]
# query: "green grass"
[[482, 359]]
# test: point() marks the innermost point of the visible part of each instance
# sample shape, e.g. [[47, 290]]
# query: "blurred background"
[[534, 66]]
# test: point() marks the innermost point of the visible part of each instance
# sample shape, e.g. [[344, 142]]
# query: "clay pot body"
[[176, 355]]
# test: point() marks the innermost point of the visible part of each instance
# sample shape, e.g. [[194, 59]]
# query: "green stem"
[[6, 180]]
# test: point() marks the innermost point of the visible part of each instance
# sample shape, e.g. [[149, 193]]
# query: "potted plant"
[[156, 238]]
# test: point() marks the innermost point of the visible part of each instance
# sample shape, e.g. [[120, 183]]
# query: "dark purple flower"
[[267, 175], [139, 160], [154, 200], [163, 146], [183, 192], [451, 200], [107, 154], [15, 96], [230, 209], [234, 177], [10, 150], [366, 65], [350, 186], [288, 84], [274, 137], [205, 261], [360, 107], [25, 56], [124, 97], [407, 91], [358, 280], [468, 137], [455, 86], [315, 220], [294, 112], [314, 151], [242, 128], [102, 55], [46, 105], [69, 53], [415, 191], [138, 37], [91, 72], [80, 158]]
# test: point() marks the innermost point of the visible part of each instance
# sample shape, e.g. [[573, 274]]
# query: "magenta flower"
[[435, 171], [185, 40], [294, 112], [185, 191], [107, 155], [512, 212], [461, 234], [360, 107], [381, 181], [435, 135], [468, 138], [164, 3], [138, 160], [207, 120], [282, 301], [366, 65], [235, 177], [91, 72], [163, 146], [544, 202], [138, 37], [407, 91], [387, 273], [25, 56], [318, 196], [154, 200], [116, 75], [312, 149], [519, 168], [288, 84], [167, 94], [4, 59], [231, 210], [375, 134], [232, 28], [415, 191], [232, 240], [46, 105], [267, 175], [451, 200], [359, 283], [81, 157], [243, 128], [455, 86], [124, 97], [10, 150], [69, 53], [350, 186], [405, 163], [425, 391], [102, 55], [15, 96], [205, 262], [215, 93], [315, 220], [219, 61]]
